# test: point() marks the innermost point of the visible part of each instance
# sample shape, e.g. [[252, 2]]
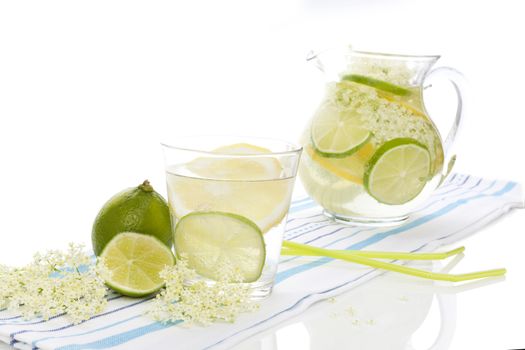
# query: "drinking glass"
[[229, 199]]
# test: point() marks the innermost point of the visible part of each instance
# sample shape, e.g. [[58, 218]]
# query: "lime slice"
[[398, 171], [210, 241], [249, 186], [134, 261], [377, 84], [338, 133]]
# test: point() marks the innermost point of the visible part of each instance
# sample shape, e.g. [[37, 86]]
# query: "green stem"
[[292, 248], [359, 259]]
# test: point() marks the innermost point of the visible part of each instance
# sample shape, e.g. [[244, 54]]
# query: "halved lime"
[[398, 171], [338, 133], [134, 261], [377, 84], [210, 241]]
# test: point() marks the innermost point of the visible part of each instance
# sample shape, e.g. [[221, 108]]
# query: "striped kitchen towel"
[[460, 207]]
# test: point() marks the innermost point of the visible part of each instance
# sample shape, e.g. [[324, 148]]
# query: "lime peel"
[[377, 84]]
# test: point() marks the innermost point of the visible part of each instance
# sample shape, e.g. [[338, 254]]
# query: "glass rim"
[[294, 148], [315, 54]]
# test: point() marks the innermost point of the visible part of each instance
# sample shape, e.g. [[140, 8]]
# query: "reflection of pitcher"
[[372, 153], [383, 314]]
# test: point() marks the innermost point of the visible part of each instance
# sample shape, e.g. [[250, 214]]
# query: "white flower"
[[201, 302], [55, 283]]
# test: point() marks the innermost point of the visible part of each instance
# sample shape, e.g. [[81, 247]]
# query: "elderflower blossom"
[[55, 283], [201, 302], [395, 72]]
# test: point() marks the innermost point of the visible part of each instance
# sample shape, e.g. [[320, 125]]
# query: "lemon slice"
[[210, 241], [134, 261], [398, 171], [338, 133], [350, 168], [252, 187], [377, 84]]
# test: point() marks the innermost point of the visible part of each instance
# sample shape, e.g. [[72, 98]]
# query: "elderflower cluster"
[[55, 283], [201, 302], [395, 72], [386, 119]]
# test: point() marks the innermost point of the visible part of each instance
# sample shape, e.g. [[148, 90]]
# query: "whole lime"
[[138, 209]]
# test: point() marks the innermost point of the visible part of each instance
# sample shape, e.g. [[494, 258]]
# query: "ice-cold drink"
[[371, 153], [229, 207]]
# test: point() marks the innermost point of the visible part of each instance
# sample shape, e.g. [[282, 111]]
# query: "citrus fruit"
[[350, 168], [398, 171], [138, 209], [338, 133], [210, 241], [134, 261], [249, 186], [377, 84]]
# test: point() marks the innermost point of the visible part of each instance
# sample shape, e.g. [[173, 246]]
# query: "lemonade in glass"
[[229, 200], [371, 152]]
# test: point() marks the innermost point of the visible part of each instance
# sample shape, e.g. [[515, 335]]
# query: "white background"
[[88, 89]]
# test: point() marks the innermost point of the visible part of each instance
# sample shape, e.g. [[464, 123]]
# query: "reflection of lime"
[[377, 84], [134, 262], [211, 241], [138, 209], [398, 171], [249, 186], [336, 133]]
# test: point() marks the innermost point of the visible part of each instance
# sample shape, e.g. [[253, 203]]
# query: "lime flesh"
[[134, 262], [336, 133], [210, 241], [398, 171]]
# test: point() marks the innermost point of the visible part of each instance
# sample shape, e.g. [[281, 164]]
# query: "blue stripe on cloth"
[[120, 338], [283, 275], [306, 205], [35, 342], [298, 201], [12, 335]]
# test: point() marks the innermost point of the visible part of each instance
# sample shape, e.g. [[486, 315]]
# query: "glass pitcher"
[[371, 152]]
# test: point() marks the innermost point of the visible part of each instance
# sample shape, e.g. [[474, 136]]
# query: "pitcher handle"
[[459, 83]]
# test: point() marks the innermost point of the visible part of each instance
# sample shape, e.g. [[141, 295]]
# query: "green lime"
[[377, 84], [138, 209], [338, 133], [398, 171], [134, 261], [210, 241]]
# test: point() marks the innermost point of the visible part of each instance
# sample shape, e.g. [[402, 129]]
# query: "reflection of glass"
[[231, 192], [372, 153]]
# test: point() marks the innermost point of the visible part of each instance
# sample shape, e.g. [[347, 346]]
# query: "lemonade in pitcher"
[[371, 153]]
